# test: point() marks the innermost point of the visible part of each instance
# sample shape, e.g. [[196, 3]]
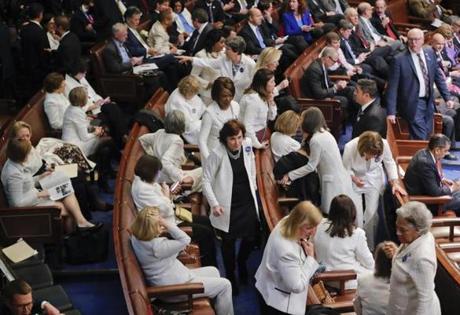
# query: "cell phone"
[[174, 186]]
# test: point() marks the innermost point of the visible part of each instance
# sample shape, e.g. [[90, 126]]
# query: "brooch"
[[247, 149], [405, 257], [241, 69]]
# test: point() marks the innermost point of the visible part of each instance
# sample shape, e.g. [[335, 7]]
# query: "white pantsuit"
[[282, 145], [240, 75], [218, 182], [349, 252], [158, 260], [55, 105], [213, 120], [373, 174], [75, 130], [372, 295], [206, 75], [284, 274], [192, 108], [325, 158], [159, 38], [412, 279]]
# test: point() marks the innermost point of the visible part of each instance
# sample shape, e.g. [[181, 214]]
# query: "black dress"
[[243, 215]]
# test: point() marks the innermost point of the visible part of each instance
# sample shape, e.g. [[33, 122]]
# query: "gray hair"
[[175, 122], [417, 214], [350, 11], [329, 52], [237, 44], [118, 27]]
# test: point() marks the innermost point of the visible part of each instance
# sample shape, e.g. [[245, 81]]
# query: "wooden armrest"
[[403, 158], [191, 148], [406, 25], [430, 200], [445, 221], [337, 77], [341, 307], [175, 289], [337, 275], [451, 247], [287, 201], [414, 19]]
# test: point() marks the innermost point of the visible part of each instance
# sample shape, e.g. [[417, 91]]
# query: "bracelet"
[[42, 305]]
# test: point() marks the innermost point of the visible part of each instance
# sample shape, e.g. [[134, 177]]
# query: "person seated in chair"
[[18, 300], [424, 175]]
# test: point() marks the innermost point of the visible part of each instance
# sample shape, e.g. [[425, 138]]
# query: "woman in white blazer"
[[339, 245], [234, 65], [158, 34], [325, 157], [229, 185], [364, 158], [21, 190], [414, 263], [157, 256], [288, 262], [147, 192], [373, 289], [167, 145], [56, 102], [281, 141], [185, 99], [217, 114], [214, 49], [257, 107]]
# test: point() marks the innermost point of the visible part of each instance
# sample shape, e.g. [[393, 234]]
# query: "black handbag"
[[83, 247]]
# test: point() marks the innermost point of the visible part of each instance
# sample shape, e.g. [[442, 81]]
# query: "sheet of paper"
[[19, 251], [71, 170]]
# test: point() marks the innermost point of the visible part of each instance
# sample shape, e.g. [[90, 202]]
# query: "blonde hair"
[[146, 225], [267, 56], [18, 125], [189, 85], [288, 122], [370, 142], [78, 96], [303, 213]]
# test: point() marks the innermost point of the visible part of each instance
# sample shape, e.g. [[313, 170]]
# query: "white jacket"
[[55, 105], [71, 83], [218, 181], [284, 274], [75, 130], [282, 145], [193, 109], [206, 75], [412, 279], [372, 295]]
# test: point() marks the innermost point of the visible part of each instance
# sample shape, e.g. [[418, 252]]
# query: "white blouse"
[[55, 105], [255, 113], [336, 253], [213, 120], [282, 145], [206, 75], [193, 110]]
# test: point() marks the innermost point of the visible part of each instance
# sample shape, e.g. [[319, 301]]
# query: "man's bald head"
[[437, 42], [255, 16]]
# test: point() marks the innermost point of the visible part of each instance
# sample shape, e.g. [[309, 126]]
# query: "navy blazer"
[[134, 46], [422, 176], [292, 28], [403, 84]]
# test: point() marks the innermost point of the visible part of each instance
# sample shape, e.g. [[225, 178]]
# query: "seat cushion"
[[38, 276], [55, 295]]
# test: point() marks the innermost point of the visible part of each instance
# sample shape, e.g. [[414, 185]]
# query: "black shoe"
[[95, 227], [450, 157]]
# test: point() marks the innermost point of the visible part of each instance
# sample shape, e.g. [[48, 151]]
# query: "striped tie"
[[425, 74]]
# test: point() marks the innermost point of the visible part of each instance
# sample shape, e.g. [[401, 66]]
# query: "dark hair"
[[14, 287], [346, 25], [227, 30], [313, 120], [259, 82], [332, 36], [79, 67], [17, 150], [164, 14], [382, 262], [47, 18], [231, 128], [342, 214], [131, 11], [182, 3], [438, 141], [212, 38], [147, 168], [300, 10], [220, 84], [368, 86], [158, 2], [52, 82], [264, 5], [200, 15], [63, 22], [34, 10]]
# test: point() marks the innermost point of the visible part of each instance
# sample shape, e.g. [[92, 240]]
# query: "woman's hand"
[[357, 180], [390, 248], [308, 247], [285, 181], [217, 211], [283, 84], [43, 194], [306, 28], [397, 188], [184, 59], [99, 131], [44, 174], [165, 190]]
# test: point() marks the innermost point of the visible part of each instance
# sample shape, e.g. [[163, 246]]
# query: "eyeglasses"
[[413, 39], [334, 60], [23, 306]]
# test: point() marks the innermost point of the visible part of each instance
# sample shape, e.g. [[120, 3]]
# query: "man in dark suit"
[[371, 116], [410, 86], [69, 50], [320, 13], [198, 38], [216, 15], [382, 21], [82, 22], [317, 84], [34, 48], [106, 14], [424, 174]]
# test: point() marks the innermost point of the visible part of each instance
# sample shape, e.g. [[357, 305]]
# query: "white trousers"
[[367, 219]]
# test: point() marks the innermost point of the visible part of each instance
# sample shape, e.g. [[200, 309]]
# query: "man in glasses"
[[17, 298]]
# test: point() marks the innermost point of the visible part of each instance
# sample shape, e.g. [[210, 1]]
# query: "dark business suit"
[[78, 24], [377, 22], [403, 93], [318, 11], [190, 47], [422, 178], [252, 43], [215, 10], [68, 53], [113, 61], [373, 118], [106, 14]]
